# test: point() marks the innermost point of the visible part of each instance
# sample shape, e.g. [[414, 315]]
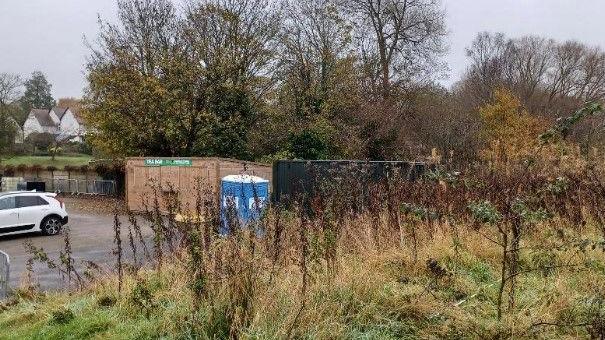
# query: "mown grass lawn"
[[59, 162]]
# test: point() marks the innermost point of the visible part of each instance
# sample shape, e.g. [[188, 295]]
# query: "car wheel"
[[51, 225]]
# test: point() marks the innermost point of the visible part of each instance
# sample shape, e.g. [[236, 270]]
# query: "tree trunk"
[[514, 260], [384, 69], [502, 273]]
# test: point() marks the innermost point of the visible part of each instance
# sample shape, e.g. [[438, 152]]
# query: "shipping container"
[[291, 178]]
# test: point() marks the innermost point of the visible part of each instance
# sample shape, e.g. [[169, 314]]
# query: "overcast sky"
[[47, 35]]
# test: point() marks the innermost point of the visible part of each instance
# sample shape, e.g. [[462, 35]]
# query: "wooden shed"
[[182, 175]]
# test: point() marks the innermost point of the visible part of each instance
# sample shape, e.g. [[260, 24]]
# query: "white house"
[[71, 126], [40, 121], [60, 122]]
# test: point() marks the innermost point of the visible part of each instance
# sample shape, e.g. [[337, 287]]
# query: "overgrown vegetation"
[[505, 239], [509, 250]]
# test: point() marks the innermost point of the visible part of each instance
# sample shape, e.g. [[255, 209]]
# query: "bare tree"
[[549, 77], [10, 86], [593, 75], [400, 40], [233, 38], [315, 48], [146, 33], [531, 58]]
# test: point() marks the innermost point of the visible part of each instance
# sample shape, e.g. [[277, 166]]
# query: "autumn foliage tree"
[[510, 132], [263, 80], [170, 83], [256, 78]]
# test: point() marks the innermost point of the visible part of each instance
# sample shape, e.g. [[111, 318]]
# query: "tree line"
[[260, 79], [321, 79]]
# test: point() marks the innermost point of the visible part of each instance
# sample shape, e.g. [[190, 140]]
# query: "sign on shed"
[[168, 162]]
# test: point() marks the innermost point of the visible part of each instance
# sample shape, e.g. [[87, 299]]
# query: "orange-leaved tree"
[[509, 131]]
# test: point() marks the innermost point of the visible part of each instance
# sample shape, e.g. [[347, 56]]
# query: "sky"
[[48, 35]]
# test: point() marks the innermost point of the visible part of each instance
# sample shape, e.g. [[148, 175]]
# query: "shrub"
[[106, 301], [9, 170], [70, 168], [40, 140], [62, 316], [308, 145], [35, 168], [21, 168], [118, 167], [484, 212], [101, 169]]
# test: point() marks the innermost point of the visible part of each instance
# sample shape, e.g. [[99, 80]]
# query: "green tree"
[[37, 93], [308, 144], [165, 83], [317, 85]]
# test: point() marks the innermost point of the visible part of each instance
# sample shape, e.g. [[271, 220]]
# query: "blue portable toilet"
[[243, 197]]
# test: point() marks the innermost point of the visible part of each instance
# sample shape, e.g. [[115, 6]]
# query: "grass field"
[[59, 162]]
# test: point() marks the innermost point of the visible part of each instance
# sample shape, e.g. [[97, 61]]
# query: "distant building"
[[60, 122], [40, 121]]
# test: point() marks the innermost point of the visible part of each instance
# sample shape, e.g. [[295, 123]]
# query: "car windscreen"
[[30, 201], [7, 203]]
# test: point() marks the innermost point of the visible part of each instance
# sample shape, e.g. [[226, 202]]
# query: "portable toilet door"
[[243, 198]]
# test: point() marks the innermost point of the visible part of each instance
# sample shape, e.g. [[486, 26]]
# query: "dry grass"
[[338, 274]]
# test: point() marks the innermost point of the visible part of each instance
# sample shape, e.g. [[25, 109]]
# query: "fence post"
[[4, 274]]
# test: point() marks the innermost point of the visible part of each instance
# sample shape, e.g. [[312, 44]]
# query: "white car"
[[29, 211]]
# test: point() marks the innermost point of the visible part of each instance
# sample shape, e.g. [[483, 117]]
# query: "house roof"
[[43, 117], [59, 111]]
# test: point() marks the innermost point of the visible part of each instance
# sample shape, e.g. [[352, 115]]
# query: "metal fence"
[[4, 274], [293, 177], [81, 186]]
